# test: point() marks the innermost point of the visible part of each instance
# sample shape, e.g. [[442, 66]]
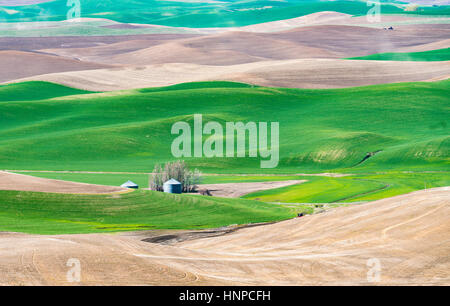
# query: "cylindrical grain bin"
[[172, 186]]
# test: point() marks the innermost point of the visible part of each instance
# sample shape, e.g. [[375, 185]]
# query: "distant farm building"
[[130, 184], [173, 186]]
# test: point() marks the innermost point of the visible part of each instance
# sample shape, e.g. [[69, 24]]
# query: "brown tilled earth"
[[237, 190], [20, 182], [19, 64], [307, 55], [409, 236], [229, 48], [301, 73], [74, 42]]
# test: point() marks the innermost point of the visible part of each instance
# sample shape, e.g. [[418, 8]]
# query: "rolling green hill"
[[427, 56], [30, 91], [45, 213], [196, 14], [404, 126]]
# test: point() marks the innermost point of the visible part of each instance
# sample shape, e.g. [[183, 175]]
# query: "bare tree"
[[177, 170]]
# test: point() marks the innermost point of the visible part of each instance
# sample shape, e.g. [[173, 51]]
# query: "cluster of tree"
[[177, 170]]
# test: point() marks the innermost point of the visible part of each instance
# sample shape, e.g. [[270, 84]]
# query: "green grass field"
[[320, 130], [317, 190], [357, 188], [44, 213], [51, 127], [376, 132], [200, 14], [427, 56], [33, 91]]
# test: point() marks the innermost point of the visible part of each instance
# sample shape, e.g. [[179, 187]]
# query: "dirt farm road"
[[20, 182], [237, 190]]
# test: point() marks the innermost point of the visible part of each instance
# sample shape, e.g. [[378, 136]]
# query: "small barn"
[[173, 186], [130, 184]]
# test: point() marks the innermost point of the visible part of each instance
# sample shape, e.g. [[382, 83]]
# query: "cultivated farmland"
[[361, 174]]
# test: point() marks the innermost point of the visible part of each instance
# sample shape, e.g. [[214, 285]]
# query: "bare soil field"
[[237, 190], [20, 182], [69, 42], [221, 56], [428, 47], [21, 2], [237, 47], [301, 73], [408, 235], [19, 64], [25, 57], [350, 41]]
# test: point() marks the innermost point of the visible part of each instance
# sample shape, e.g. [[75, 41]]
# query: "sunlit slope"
[[50, 213], [402, 126], [426, 56], [199, 14], [28, 91], [360, 188]]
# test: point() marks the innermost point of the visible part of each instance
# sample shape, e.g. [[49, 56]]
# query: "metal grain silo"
[[130, 184], [172, 186]]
